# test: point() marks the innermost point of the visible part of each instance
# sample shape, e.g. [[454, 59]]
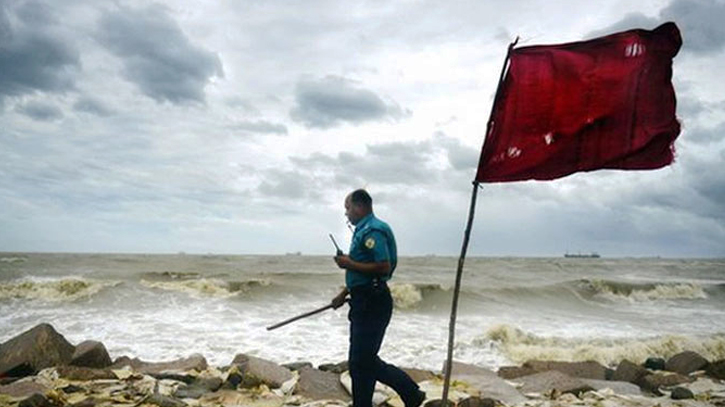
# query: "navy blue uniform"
[[371, 307]]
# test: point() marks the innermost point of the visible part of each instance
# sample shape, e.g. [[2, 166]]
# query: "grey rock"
[[419, 375], [38, 400], [71, 388], [584, 370], [460, 368], [23, 389], [477, 402], [91, 354], [89, 402], [318, 385], [686, 363], [296, 365], [653, 363], [199, 387], [622, 388], [438, 403], [33, 350], [335, 367], [256, 371], [84, 373], [553, 380], [716, 370], [655, 381], [681, 393], [629, 372], [193, 362], [488, 384], [164, 401], [513, 372]]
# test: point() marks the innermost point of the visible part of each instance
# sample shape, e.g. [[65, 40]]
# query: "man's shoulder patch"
[[370, 243]]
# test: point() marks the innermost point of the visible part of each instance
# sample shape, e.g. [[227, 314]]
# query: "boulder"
[[33, 350], [653, 363], [193, 362], [686, 363], [629, 372], [716, 370], [84, 373], [655, 381], [584, 370], [318, 385], [553, 380], [256, 371], [23, 388], [199, 387], [87, 402], [38, 400], [335, 367], [486, 381], [91, 354], [477, 402], [419, 375], [513, 372], [296, 365], [164, 401], [621, 388], [681, 393]]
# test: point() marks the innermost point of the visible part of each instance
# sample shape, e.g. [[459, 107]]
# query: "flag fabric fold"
[[605, 103]]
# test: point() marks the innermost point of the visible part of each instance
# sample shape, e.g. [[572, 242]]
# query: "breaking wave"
[[207, 287], [12, 260], [64, 289], [408, 296], [520, 346], [618, 292]]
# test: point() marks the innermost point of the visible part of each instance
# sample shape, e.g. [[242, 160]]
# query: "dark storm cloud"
[[334, 100], [157, 56], [92, 106], [34, 57], [40, 111], [700, 23], [460, 157], [261, 127]]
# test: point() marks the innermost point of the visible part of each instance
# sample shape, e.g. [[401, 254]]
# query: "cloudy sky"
[[239, 127]]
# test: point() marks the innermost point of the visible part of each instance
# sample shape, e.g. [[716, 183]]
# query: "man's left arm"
[[377, 243]]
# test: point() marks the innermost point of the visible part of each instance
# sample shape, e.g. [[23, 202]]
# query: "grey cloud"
[[157, 56], [629, 22], [40, 111], [33, 12], [33, 57], [460, 157], [261, 127], [93, 106], [335, 100], [700, 23]]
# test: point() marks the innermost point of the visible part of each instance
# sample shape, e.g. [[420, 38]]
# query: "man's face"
[[352, 211]]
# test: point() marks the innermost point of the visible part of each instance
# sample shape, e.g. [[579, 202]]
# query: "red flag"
[[583, 106]]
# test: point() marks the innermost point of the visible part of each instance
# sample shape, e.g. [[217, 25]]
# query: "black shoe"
[[417, 399]]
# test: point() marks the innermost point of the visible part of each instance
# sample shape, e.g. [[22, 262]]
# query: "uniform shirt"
[[372, 242]]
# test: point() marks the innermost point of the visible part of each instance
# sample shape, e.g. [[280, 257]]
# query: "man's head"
[[357, 205]]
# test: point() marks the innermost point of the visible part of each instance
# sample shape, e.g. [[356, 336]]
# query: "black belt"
[[374, 284]]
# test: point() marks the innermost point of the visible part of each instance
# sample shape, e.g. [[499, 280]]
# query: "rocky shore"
[[41, 368]]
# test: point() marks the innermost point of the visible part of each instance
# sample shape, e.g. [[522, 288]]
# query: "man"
[[371, 262]]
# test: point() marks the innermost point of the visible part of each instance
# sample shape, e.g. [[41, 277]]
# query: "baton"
[[305, 315]]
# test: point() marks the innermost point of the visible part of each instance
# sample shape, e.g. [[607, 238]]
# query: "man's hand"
[[340, 299], [343, 261]]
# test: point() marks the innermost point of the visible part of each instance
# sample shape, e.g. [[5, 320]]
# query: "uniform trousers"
[[371, 307]]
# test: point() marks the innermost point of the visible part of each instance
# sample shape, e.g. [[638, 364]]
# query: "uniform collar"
[[364, 221]]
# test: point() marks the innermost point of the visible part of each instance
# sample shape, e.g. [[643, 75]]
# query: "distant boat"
[[591, 255]]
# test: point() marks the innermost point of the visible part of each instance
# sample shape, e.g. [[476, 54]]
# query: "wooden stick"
[[305, 315]]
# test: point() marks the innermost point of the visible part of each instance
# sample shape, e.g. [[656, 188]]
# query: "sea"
[[163, 307]]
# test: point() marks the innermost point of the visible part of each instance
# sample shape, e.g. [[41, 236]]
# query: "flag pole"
[[464, 247]]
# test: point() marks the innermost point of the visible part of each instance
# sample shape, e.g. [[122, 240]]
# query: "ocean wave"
[[12, 260], [64, 289], [208, 287], [407, 296], [520, 346], [170, 275], [617, 291]]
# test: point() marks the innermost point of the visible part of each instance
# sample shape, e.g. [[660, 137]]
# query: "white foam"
[[405, 296], [53, 290], [520, 346]]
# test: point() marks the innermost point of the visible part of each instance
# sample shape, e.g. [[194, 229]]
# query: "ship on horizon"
[[592, 255]]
